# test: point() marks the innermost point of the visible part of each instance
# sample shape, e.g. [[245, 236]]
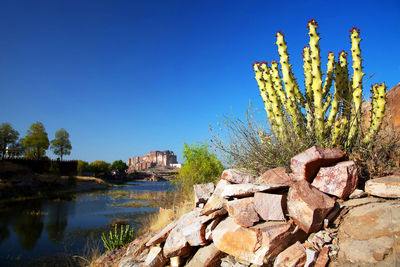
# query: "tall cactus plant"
[[332, 118]]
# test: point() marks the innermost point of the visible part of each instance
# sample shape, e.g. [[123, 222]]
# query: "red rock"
[[306, 164], [243, 212], [270, 207], [202, 192], [162, 235], [238, 241], [215, 202], [155, 258], [323, 258], [339, 180], [295, 255], [206, 257], [308, 206], [255, 244], [275, 176], [357, 193], [176, 244], [238, 177], [388, 186], [280, 235], [245, 190]]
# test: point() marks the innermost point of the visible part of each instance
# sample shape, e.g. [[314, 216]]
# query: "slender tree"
[[36, 141], [8, 137], [61, 145]]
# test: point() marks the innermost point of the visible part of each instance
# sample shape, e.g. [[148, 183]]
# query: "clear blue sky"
[[127, 77]]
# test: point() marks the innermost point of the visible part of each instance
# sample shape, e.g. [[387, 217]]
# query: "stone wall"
[[153, 159]]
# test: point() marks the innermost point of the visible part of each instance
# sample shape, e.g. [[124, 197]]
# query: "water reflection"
[[43, 228], [29, 227], [57, 221]]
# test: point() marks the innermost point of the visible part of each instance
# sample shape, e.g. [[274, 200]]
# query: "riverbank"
[[47, 185]]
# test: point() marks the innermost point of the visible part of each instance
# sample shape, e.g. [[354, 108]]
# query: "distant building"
[[153, 159]]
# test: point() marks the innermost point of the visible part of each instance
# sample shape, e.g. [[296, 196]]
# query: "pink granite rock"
[[308, 206], [245, 190], [211, 226], [202, 192], [306, 164], [388, 186], [216, 201], [206, 257], [161, 236], [275, 176], [238, 177], [270, 207], [295, 255], [155, 258], [242, 211], [323, 258], [254, 244], [339, 180]]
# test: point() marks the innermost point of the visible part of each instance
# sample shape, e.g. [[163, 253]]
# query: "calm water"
[[47, 232]]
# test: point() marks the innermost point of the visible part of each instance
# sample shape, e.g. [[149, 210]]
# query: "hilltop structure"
[[153, 159]]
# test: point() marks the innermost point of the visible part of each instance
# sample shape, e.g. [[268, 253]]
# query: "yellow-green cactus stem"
[[378, 105], [342, 79], [317, 79], [357, 82], [339, 130], [276, 79], [275, 103], [263, 92], [292, 106], [329, 74], [335, 102], [307, 73], [307, 84]]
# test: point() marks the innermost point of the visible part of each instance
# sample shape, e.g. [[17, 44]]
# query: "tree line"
[[34, 144]]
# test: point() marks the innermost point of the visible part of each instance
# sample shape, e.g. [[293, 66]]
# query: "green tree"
[[119, 166], [99, 166], [36, 141], [83, 166], [61, 145], [8, 137], [199, 166]]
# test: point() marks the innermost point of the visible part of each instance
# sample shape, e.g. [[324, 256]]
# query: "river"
[[52, 232]]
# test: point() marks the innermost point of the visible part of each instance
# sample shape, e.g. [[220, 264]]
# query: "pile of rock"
[[277, 219]]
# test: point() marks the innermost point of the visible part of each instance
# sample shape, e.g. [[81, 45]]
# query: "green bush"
[[199, 166], [99, 166], [119, 238], [83, 166]]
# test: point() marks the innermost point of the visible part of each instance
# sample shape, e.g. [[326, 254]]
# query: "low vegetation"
[[118, 238]]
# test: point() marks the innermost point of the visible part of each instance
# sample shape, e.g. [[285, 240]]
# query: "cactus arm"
[[317, 79], [307, 74], [274, 99], [327, 103], [263, 92], [378, 105], [339, 130], [292, 106], [329, 74], [276, 79], [307, 85], [357, 83]]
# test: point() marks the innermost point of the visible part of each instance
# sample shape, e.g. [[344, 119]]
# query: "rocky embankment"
[[313, 216]]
